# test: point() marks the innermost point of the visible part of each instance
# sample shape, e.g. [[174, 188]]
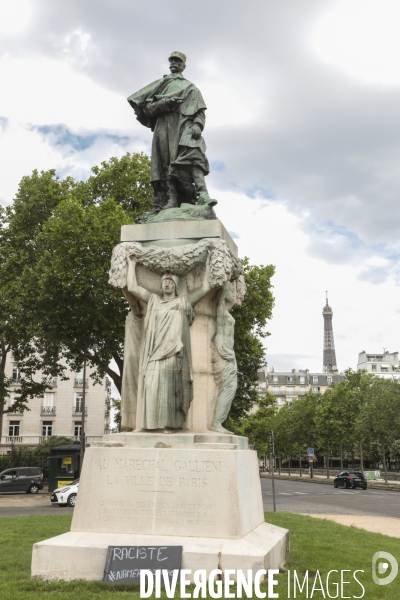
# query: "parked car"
[[22, 479], [65, 496], [350, 479]]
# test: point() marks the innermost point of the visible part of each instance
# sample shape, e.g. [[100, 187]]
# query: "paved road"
[[309, 498], [27, 511], [19, 505], [291, 496]]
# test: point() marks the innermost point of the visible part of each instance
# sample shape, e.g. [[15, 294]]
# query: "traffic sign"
[[310, 451]]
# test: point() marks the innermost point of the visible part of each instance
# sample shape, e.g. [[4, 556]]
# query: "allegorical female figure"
[[166, 363], [224, 363]]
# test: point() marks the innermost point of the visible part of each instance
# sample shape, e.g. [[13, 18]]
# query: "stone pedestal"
[[198, 491], [196, 488]]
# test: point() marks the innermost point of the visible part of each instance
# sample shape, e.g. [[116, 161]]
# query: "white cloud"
[[301, 136], [361, 37], [14, 16]]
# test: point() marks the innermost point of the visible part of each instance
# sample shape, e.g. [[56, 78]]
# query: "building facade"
[[384, 364], [288, 386], [58, 412]]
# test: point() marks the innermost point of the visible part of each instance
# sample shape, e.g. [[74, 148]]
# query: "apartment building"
[[290, 385], [383, 364], [58, 412]]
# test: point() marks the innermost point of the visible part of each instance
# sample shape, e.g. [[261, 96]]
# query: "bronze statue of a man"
[[174, 110]]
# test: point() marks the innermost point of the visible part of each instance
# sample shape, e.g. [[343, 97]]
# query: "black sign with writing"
[[124, 563]]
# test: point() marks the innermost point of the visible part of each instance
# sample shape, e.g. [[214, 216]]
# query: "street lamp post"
[[77, 353], [271, 462]]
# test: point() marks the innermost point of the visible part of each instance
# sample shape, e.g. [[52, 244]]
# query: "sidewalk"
[[384, 525], [15, 499]]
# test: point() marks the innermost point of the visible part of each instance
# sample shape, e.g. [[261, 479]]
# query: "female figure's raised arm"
[[132, 285]]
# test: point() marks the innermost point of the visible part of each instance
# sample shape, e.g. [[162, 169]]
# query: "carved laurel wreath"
[[179, 261]]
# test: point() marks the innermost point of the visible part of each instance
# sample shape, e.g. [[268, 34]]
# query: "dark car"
[[21, 479], [350, 479]]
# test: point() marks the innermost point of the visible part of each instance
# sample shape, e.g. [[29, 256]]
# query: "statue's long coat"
[[173, 145]]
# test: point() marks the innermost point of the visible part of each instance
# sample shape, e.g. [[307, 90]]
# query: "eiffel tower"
[[330, 365]]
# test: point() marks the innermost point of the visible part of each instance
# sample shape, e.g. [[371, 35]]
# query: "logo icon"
[[383, 567]]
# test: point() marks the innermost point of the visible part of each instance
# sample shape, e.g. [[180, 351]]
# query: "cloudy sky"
[[302, 133]]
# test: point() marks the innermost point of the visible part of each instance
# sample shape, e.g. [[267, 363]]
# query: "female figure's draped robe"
[[166, 364]]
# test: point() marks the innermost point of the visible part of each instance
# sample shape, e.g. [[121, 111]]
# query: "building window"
[[15, 373], [47, 428], [290, 389], [302, 379], [275, 379], [384, 369], [78, 402], [77, 428], [315, 379], [373, 367], [276, 389], [290, 379], [48, 399], [329, 379], [289, 400], [315, 390], [302, 391], [13, 429]]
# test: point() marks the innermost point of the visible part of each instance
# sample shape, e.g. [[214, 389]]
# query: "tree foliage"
[[357, 416], [250, 322], [55, 246]]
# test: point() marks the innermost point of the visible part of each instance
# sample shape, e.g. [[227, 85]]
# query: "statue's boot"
[[201, 188], [172, 195]]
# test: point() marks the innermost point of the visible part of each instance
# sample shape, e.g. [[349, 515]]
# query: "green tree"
[[126, 180], [116, 405], [55, 247], [20, 224], [257, 425], [302, 423], [250, 322], [380, 415]]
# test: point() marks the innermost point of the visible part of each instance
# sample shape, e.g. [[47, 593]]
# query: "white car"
[[65, 496]]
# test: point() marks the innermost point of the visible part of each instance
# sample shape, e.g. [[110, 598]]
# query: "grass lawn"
[[316, 545]]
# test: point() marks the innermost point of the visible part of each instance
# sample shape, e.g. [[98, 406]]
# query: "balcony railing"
[[286, 393], [48, 410], [51, 382], [77, 412], [13, 439], [78, 382]]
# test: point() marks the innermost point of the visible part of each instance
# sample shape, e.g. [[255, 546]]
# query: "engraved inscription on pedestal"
[[165, 491]]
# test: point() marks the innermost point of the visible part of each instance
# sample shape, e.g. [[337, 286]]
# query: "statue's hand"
[[196, 131], [173, 102]]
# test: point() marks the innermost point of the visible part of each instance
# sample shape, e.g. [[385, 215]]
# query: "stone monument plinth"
[[194, 485]]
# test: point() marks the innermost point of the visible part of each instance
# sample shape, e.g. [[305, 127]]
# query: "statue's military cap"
[[179, 55]]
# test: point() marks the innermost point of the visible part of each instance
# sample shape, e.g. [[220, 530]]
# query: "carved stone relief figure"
[[224, 362], [130, 376], [166, 365]]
